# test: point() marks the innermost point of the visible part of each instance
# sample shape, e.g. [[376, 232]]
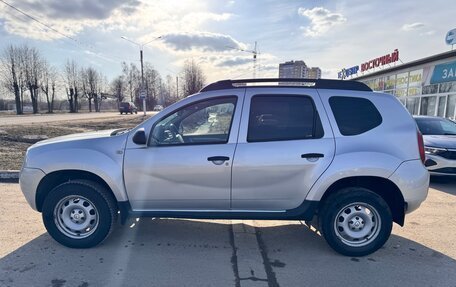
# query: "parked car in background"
[[158, 108], [439, 143], [333, 151], [127, 107]]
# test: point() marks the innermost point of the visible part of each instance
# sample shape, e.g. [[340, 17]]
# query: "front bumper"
[[29, 180], [440, 166]]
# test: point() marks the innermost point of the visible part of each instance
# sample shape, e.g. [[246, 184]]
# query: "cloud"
[[83, 9], [413, 26], [428, 33], [321, 20], [234, 61], [67, 17], [203, 41]]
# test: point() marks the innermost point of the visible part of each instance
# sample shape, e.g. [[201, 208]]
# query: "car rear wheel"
[[355, 221], [79, 214]]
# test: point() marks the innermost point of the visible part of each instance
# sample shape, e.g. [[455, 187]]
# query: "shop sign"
[[444, 73], [348, 72], [377, 62], [380, 61]]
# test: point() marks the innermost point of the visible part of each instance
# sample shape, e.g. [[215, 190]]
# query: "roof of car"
[[288, 82]]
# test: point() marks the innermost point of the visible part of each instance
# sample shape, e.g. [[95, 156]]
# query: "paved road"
[[172, 252], [44, 118]]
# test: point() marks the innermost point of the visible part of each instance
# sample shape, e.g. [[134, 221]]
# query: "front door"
[[187, 163]]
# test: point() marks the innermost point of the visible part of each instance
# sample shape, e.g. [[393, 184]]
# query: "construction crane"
[[255, 52]]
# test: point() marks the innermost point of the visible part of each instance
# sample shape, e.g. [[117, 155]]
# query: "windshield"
[[436, 126]]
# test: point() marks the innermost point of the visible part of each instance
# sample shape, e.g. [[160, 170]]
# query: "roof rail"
[[312, 83]]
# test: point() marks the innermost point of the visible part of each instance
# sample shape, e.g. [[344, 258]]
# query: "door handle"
[[218, 158], [312, 155]]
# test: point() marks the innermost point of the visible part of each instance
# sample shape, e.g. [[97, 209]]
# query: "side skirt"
[[305, 211]]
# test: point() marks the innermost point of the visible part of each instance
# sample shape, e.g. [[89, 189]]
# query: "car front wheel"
[[79, 214], [355, 221]]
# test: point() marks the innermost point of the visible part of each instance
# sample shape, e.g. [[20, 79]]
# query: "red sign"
[[380, 61]]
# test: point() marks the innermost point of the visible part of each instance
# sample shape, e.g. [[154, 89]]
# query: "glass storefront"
[[451, 106], [441, 107], [425, 91]]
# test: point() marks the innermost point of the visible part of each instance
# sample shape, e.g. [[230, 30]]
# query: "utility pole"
[[177, 87], [142, 92]]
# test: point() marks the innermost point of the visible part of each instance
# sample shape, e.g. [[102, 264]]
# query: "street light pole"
[[142, 92], [142, 80]]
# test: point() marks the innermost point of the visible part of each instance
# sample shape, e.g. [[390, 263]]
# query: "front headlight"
[[434, 150]]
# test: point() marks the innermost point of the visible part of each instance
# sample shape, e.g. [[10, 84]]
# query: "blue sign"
[[444, 73], [348, 72], [450, 37]]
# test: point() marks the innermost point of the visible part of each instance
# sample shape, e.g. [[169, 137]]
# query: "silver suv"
[[241, 149]]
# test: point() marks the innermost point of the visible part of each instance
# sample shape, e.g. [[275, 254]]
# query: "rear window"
[[354, 116], [280, 117]]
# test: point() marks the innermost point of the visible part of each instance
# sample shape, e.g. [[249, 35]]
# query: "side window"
[[278, 118], [354, 116], [205, 122]]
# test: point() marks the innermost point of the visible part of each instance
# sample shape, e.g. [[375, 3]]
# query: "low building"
[[425, 86]]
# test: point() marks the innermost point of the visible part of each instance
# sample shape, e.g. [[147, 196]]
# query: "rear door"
[[285, 143]]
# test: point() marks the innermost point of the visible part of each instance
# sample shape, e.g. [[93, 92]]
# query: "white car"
[[328, 149], [439, 144]]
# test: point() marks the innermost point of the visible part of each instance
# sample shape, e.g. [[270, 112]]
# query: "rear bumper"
[[412, 178], [29, 180]]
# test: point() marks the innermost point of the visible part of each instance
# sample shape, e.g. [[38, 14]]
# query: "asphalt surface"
[[176, 252], [6, 120]]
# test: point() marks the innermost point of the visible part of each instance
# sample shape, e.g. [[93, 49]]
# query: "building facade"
[[425, 87], [298, 69], [314, 73]]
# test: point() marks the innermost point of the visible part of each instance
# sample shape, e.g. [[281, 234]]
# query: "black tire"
[[136, 112], [121, 113], [341, 217], [100, 199]]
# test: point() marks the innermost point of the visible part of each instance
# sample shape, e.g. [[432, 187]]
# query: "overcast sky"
[[328, 34]]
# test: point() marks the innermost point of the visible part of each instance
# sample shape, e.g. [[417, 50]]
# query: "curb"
[[9, 176]]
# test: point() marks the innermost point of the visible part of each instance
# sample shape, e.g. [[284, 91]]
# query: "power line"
[[79, 44], [36, 20]]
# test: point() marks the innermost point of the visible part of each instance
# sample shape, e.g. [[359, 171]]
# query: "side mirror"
[[139, 137]]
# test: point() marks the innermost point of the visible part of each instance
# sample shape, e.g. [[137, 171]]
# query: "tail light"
[[421, 146]]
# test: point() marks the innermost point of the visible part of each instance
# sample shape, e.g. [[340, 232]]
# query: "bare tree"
[[48, 84], [12, 75], [102, 86], [93, 85], [132, 78], [32, 64], [72, 81], [118, 89], [89, 80], [152, 85], [194, 78]]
